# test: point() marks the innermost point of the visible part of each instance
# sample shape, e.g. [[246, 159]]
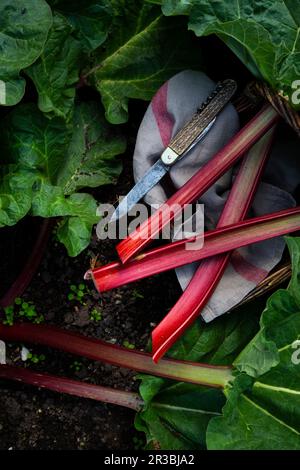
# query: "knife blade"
[[180, 145]]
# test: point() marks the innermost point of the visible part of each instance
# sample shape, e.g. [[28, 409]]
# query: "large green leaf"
[[175, 7], [47, 161], [89, 161], [263, 411], [78, 28], [264, 35], [56, 72], [15, 194], [262, 353], [250, 420], [33, 142], [24, 26], [142, 51], [90, 19], [176, 415]]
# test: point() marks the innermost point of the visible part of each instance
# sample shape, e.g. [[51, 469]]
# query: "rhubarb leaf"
[[78, 28], [143, 50], [24, 26], [56, 72], [262, 353], [33, 142], [261, 419], [263, 411], [264, 35], [177, 415], [75, 231], [78, 210], [175, 7], [15, 195], [48, 161], [90, 20], [90, 159]]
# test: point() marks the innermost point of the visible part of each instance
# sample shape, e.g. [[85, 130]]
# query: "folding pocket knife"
[[180, 145]]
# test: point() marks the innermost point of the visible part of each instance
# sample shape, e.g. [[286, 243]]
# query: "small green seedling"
[[95, 315], [9, 315], [76, 365], [35, 358], [128, 345], [21, 309], [137, 295], [78, 293], [28, 310]]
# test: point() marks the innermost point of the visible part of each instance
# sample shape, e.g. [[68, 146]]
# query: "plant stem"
[[208, 274], [72, 387], [24, 278], [183, 371], [199, 183], [183, 252]]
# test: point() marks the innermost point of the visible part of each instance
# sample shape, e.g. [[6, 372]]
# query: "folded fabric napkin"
[[172, 106]]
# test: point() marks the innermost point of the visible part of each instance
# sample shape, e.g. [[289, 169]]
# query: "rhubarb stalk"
[[208, 274], [199, 183], [24, 278], [72, 387], [174, 255], [183, 371]]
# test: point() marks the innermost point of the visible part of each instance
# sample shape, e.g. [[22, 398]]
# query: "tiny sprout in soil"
[[78, 293], [22, 309], [76, 366], [95, 315], [128, 345], [36, 358], [137, 295]]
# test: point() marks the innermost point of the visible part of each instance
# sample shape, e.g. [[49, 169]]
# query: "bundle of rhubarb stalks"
[[252, 143]]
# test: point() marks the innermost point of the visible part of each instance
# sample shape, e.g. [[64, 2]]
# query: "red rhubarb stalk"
[[23, 280], [208, 274], [199, 183], [72, 387], [95, 349], [174, 255]]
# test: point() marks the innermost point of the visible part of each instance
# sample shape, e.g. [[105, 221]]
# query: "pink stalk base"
[[72, 387], [210, 271], [184, 371], [216, 242], [199, 183]]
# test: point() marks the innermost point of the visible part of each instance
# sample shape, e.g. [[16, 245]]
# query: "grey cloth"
[[173, 105]]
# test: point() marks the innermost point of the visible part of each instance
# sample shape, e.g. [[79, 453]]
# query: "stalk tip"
[[88, 275]]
